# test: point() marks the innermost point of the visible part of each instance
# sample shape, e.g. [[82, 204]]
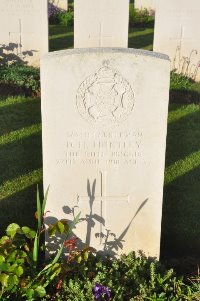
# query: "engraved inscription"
[[103, 148], [14, 7], [105, 97]]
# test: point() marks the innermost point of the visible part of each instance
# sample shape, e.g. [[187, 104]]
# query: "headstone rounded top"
[[82, 51]]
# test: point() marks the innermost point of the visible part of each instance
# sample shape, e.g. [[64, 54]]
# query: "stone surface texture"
[[101, 23], [23, 30], [176, 34], [104, 122], [148, 4], [63, 4]]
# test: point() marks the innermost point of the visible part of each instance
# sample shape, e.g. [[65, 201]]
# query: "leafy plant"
[[128, 278], [66, 18], [22, 276], [61, 17], [21, 75], [140, 18], [179, 81], [183, 89]]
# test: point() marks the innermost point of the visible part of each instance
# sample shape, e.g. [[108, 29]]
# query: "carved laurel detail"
[[105, 97]]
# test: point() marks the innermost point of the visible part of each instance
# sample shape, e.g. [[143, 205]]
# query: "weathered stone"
[[176, 34], [101, 23], [104, 120], [23, 30]]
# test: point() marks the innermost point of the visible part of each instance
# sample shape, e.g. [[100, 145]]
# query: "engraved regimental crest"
[[105, 97]]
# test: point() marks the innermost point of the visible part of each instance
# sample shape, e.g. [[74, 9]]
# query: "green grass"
[[21, 160], [61, 37], [181, 209], [141, 38]]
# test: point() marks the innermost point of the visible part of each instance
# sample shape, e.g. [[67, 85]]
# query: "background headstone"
[[62, 4], [176, 34], [23, 30], [148, 4], [104, 122], [101, 23]]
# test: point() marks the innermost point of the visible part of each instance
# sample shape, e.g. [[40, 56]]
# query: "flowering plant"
[[53, 10], [101, 292]]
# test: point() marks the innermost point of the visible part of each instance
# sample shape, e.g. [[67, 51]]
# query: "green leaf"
[[12, 256], [12, 230], [60, 227], [20, 261], [55, 260], [29, 232], [65, 224], [4, 267], [29, 293], [2, 258], [40, 290], [85, 255], [74, 222], [22, 254], [4, 239], [13, 268], [79, 259], [26, 230], [35, 248], [4, 279], [19, 271], [58, 254], [13, 280], [51, 230]]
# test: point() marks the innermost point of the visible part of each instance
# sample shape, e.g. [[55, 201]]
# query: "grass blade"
[[45, 200], [39, 213]]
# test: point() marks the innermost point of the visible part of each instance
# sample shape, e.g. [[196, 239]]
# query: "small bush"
[[126, 279], [58, 16], [140, 18], [74, 274], [64, 18], [23, 273], [25, 77], [179, 81], [183, 89]]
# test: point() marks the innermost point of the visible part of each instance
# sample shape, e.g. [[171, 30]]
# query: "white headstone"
[[176, 34], [148, 4], [62, 4], [101, 23], [104, 122], [24, 29]]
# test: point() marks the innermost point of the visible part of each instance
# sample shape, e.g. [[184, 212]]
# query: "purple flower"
[[53, 10], [101, 292]]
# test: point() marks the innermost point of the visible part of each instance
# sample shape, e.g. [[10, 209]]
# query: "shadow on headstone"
[[12, 53], [110, 241]]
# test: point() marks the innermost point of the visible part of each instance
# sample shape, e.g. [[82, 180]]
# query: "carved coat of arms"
[[105, 97]]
